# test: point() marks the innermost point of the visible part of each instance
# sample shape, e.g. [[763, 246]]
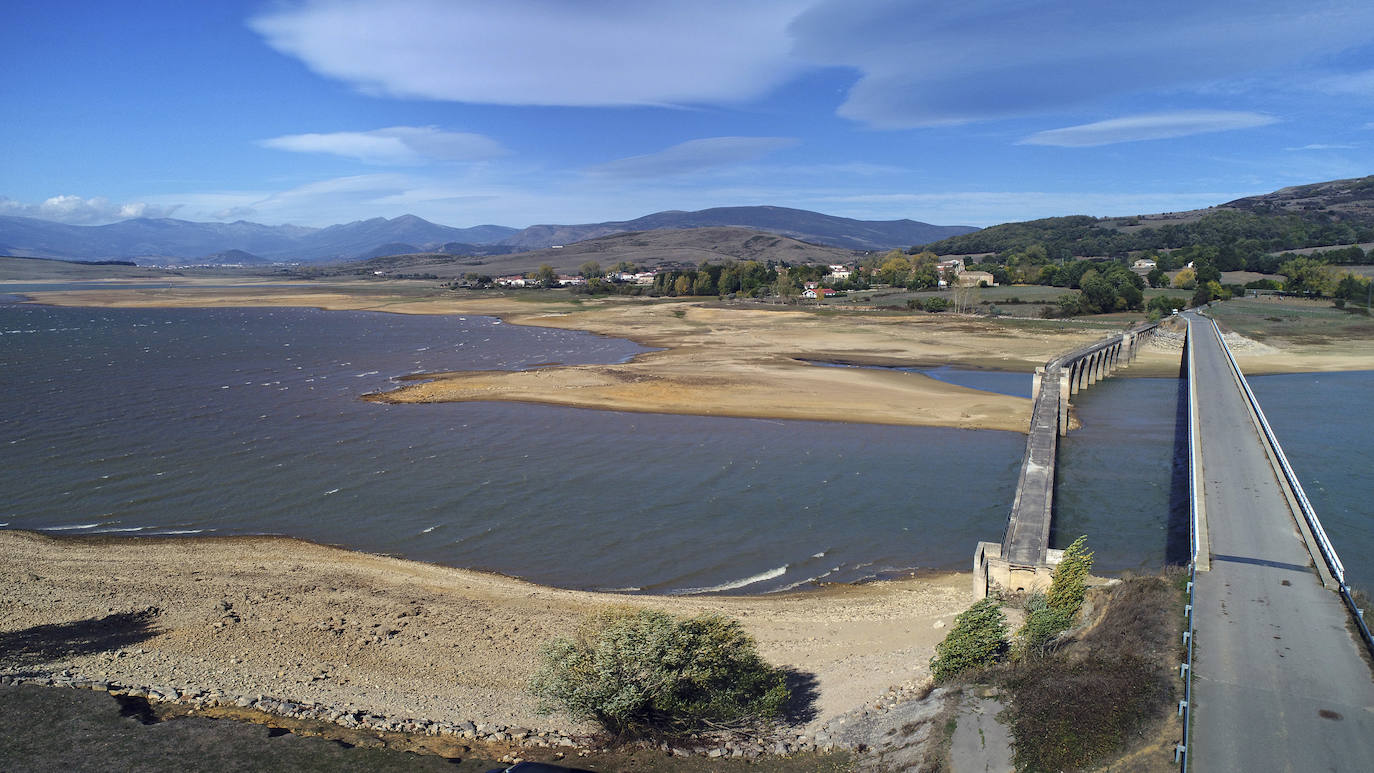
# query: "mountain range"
[[170, 241]]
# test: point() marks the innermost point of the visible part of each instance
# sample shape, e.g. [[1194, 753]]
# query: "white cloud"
[[1153, 126], [77, 210], [234, 213], [1319, 146], [394, 146], [693, 156], [543, 52], [932, 62]]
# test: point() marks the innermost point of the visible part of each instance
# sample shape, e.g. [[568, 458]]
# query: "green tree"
[[590, 270], [640, 672], [977, 639], [545, 276], [896, 268], [1306, 275], [1157, 277], [703, 284], [1099, 296], [1166, 305], [1069, 583]]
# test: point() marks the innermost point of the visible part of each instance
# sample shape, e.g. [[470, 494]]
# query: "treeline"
[[1243, 235], [739, 279]]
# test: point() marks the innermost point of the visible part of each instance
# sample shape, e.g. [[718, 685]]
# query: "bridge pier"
[[1065, 391]]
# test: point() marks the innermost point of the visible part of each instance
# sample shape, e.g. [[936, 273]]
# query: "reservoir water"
[[247, 421]]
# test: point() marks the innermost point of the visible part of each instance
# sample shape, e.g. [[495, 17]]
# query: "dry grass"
[[1106, 694]]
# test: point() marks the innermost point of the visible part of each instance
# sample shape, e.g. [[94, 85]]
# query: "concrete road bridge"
[[1277, 670], [1278, 673]]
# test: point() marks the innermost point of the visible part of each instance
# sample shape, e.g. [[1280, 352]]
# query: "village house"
[[955, 265], [818, 292], [838, 273], [1143, 264], [974, 278], [512, 281]]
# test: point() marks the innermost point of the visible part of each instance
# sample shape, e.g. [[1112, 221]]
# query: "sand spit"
[[715, 360], [308, 625]]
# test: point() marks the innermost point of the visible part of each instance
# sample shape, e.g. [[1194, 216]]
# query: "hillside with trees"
[[1303, 233]]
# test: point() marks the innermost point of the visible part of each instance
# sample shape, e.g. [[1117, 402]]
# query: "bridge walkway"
[[1280, 683]]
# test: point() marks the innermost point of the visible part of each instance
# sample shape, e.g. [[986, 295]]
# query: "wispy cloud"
[[1359, 83], [537, 52], [78, 210], [693, 156], [927, 63], [1153, 126], [1319, 146], [394, 146]]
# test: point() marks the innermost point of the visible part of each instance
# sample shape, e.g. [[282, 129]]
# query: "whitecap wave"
[[735, 584], [72, 527]]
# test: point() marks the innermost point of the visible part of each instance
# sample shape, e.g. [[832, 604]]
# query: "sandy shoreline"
[[315, 624]]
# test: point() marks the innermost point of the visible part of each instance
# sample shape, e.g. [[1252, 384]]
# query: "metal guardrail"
[[1328, 551], [1185, 706]]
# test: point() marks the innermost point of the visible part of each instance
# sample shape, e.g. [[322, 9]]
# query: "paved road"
[[1279, 681]]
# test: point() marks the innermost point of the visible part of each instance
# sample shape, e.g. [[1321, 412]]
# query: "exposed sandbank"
[[723, 361], [309, 623]]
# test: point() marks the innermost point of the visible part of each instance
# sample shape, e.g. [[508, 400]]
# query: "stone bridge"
[[1023, 560]]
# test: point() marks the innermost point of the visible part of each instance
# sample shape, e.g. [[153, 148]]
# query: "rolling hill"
[[1337, 212], [169, 241], [648, 249], [797, 223]]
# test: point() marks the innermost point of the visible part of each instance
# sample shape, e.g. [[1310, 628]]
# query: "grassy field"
[[1296, 320]]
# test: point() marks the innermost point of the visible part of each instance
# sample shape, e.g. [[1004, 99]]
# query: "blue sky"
[[518, 112]]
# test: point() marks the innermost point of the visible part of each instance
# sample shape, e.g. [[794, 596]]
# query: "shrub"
[[1069, 582], [977, 640], [1043, 624], [644, 672]]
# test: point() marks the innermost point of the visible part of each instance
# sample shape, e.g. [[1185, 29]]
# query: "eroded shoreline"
[[276, 620]]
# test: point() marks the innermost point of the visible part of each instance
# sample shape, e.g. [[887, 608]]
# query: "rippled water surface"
[[242, 421], [247, 421], [1325, 423]]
